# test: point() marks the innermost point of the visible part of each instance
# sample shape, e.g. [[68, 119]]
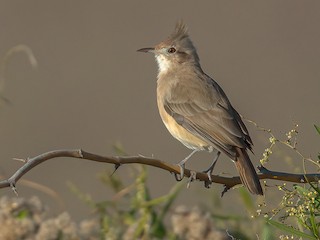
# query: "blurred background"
[[92, 90]]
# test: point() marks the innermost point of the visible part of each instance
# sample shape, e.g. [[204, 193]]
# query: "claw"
[[207, 184], [178, 179]]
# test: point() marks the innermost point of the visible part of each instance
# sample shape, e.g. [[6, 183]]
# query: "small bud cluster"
[[292, 136], [286, 237], [268, 151]]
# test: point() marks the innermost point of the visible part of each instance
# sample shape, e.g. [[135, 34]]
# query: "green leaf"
[[317, 128], [313, 223], [23, 214], [267, 232], [290, 230]]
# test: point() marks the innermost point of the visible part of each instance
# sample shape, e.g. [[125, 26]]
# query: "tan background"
[[92, 88]]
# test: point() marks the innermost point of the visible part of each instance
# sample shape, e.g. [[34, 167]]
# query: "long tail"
[[247, 172]]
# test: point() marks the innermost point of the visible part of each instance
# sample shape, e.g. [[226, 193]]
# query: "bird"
[[195, 109]]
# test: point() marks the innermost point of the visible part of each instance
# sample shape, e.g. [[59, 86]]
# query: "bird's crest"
[[180, 32]]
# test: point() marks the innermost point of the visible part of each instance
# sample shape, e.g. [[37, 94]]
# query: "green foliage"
[[22, 214], [290, 230], [300, 205], [267, 232], [298, 214], [132, 210]]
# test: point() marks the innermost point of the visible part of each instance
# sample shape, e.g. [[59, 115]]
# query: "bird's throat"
[[163, 64]]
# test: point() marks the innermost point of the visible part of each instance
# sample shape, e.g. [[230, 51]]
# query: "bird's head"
[[176, 50]]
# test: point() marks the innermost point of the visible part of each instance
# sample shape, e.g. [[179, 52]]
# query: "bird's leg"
[[182, 163], [210, 169]]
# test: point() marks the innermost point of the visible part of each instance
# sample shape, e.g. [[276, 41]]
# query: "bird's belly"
[[183, 135]]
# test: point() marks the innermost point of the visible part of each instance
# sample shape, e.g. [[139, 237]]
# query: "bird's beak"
[[146, 50]]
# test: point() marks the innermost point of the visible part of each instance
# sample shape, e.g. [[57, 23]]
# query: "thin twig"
[[228, 182]]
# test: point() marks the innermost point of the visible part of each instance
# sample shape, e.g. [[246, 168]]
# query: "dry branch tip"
[[20, 160]]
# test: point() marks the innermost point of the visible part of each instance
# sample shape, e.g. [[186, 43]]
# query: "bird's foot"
[[209, 171], [207, 183], [193, 176], [182, 164]]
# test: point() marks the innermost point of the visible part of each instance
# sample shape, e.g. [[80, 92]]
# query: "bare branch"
[[228, 182]]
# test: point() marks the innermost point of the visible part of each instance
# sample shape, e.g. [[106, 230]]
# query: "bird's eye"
[[172, 50]]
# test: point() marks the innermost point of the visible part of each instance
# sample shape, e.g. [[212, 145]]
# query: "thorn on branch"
[[116, 166], [14, 189], [117, 161], [226, 189], [80, 153], [143, 156], [24, 160]]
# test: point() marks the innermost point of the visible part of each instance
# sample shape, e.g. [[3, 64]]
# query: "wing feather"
[[214, 120]]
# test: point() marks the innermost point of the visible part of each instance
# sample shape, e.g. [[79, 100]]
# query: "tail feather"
[[247, 172]]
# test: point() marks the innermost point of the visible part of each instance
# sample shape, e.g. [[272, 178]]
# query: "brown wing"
[[208, 114]]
